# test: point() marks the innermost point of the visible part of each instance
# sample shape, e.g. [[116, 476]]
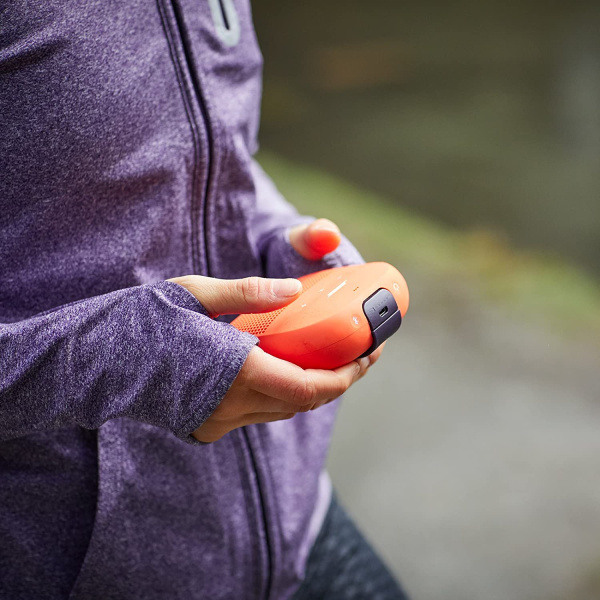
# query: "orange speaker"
[[342, 314]]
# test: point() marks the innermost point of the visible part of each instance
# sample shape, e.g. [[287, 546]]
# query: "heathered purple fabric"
[[126, 136]]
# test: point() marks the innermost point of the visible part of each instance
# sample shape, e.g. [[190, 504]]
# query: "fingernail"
[[284, 288], [325, 225]]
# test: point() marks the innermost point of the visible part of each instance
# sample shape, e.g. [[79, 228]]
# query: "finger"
[[299, 387], [211, 430], [232, 296], [376, 355], [363, 364], [251, 402], [366, 367], [315, 240], [267, 417]]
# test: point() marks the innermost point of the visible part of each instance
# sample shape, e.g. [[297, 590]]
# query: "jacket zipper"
[[259, 487], [244, 437], [210, 145]]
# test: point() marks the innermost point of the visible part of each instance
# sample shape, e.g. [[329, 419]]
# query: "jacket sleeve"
[[273, 218], [150, 353]]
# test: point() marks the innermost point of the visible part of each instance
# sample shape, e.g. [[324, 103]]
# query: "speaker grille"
[[258, 323]]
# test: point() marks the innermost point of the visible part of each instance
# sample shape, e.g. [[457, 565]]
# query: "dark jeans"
[[343, 566]]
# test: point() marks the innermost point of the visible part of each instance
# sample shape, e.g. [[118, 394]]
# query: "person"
[[148, 449]]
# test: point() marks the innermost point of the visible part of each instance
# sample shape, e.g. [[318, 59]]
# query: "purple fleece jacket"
[[127, 131]]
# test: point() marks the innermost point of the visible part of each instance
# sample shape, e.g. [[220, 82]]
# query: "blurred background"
[[460, 142]]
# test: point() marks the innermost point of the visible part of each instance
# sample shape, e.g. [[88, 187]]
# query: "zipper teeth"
[[268, 577], [171, 34], [185, 43], [224, 14]]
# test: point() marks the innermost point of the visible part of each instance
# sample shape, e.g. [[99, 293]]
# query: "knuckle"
[[208, 437], [305, 392], [341, 386], [249, 288]]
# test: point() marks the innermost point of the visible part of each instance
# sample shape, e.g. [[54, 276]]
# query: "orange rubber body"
[[325, 327]]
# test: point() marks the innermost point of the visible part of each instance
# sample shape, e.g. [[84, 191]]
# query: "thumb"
[[316, 240], [233, 296]]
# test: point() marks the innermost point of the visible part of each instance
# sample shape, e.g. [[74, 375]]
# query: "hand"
[[315, 240], [267, 388], [270, 389]]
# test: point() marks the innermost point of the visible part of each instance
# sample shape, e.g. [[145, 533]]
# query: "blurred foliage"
[[474, 114], [536, 287]]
